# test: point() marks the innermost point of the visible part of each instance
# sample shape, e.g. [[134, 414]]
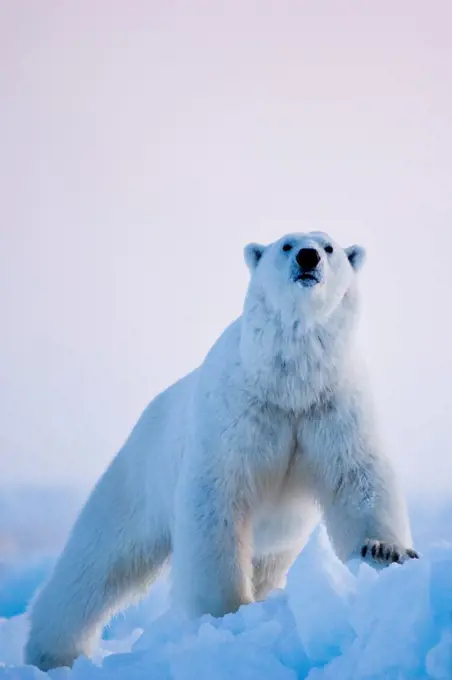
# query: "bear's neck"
[[295, 365]]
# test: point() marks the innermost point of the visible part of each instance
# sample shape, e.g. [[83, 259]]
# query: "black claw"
[[395, 556], [388, 554], [412, 553], [381, 551], [364, 550], [374, 550]]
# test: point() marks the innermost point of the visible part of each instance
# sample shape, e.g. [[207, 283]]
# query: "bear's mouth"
[[307, 278]]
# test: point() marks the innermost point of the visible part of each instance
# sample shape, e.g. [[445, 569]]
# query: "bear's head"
[[302, 275]]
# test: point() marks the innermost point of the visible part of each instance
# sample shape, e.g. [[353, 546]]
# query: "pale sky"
[[143, 144]]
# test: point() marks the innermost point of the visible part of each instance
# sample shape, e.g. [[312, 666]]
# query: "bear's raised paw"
[[386, 553]]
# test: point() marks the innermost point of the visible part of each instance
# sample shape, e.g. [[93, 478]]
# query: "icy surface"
[[331, 623]]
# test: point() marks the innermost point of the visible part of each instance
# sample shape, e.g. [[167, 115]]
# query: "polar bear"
[[228, 471]]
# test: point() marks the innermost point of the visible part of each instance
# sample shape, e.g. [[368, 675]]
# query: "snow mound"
[[331, 623]]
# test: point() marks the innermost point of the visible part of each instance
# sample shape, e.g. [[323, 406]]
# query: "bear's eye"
[[286, 247], [329, 249]]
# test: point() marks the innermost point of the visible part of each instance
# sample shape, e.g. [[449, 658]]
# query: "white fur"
[[228, 469]]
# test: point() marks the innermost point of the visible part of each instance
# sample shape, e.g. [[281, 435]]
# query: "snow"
[[332, 622]]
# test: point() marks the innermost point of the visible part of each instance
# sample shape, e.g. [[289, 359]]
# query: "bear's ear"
[[356, 256], [253, 253]]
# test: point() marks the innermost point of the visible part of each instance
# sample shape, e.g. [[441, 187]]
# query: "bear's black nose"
[[308, 258]]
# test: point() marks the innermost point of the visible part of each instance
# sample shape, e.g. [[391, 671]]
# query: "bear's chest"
[[297, 379]]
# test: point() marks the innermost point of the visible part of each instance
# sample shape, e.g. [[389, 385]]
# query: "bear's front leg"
[[212, 558], [364, 509]]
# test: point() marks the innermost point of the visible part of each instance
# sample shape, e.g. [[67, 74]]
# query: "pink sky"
[[144, 143]]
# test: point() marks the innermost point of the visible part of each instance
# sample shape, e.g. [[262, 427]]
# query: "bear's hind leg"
[[86, 589], [279, 538], [270, 571]]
